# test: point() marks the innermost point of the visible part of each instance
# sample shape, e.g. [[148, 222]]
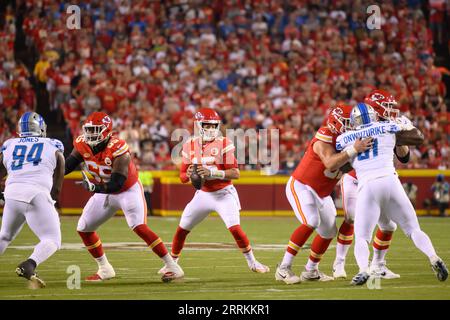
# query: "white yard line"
[[192, 246]]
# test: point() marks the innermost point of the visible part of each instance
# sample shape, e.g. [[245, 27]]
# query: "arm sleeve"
[[183, 177], [229, 160], [403, 159], [114, 185], [185, 162], [71, 163], [340, 144]]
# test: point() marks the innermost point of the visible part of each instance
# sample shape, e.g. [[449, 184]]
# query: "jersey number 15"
[[20, 154]]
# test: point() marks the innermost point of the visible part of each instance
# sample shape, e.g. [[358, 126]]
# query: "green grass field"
[[214, 269]]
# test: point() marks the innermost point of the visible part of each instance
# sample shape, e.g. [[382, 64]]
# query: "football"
[[196, 180]]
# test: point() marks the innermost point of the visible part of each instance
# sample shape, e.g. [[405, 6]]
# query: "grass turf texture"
[[219, 273]]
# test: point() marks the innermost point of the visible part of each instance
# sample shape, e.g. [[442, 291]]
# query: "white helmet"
[[362, 114], [31, 124]]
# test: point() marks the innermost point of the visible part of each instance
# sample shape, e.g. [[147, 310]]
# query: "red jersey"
[[353, 173], [100, 164], [217, 154], [311, 170]]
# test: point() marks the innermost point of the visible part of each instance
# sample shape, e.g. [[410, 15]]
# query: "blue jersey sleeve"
[[5, 146], [340, 145]]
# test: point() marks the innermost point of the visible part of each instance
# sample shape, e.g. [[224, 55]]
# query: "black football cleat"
[[440, 269], [360, 279], [26, 270]]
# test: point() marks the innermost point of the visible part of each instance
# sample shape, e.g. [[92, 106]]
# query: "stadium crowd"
[[260, 64]]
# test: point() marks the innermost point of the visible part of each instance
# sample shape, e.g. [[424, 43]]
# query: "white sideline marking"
[[191, 246]]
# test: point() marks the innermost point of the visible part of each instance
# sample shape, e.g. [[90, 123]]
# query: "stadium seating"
[[263, 64]]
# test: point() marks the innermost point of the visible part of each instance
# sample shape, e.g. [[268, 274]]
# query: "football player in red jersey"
[[386, 107], [308, 191], [217, 165], [117, 186]]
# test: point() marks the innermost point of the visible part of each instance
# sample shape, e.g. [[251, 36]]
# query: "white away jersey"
[[30, 163], [377, 161]]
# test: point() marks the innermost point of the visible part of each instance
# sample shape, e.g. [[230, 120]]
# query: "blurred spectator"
[[146, 179], [411, 192], [441, 196], [264, 64]]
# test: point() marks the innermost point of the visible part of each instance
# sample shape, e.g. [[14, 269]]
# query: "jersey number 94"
[[22, 155]]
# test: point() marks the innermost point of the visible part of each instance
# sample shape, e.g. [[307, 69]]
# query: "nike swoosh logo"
[[281, 275]]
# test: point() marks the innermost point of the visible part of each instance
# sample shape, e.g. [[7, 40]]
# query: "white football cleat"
[[381, 271], [315, 275], [163, 269], [259, 267], [105, 272], [287, 275], [172, 272], [339, 270]]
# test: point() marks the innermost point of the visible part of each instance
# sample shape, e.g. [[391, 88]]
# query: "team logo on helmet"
[[339, 119], [383, 103], [108, 161], [106, 120], [97, 128], [198, 116], [377, 96], [207, 116]]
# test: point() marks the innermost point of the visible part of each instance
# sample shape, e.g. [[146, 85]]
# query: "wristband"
[[351, 152], [218, 174]]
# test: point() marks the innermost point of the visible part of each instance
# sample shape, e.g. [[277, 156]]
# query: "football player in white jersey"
[[35, 168], [380, 192]]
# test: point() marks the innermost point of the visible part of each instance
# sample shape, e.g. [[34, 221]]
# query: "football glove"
[[89, 186], [404, 123]]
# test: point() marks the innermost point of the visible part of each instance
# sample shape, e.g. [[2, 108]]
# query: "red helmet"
[[339, 118], [383, 103], [97, 128], [207, 116]]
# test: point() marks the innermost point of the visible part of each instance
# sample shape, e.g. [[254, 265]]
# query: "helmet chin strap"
[[100, 146], [210, 137]]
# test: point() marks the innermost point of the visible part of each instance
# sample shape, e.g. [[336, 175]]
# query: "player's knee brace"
[[327, 231], [81, 226], [391, 226]]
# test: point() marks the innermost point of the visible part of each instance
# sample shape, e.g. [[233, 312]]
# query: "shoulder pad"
[[5, 145], [324, 134], [118, 147], [57, 144]]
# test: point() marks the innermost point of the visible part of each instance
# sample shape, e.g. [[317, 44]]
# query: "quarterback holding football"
[[209, 163]]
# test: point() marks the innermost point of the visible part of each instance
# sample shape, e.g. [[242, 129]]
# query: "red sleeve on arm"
[[183, 177], [229, 160], [185, 163]]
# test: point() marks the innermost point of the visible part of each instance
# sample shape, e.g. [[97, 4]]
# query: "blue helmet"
[[362, 114], [32, 124]]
